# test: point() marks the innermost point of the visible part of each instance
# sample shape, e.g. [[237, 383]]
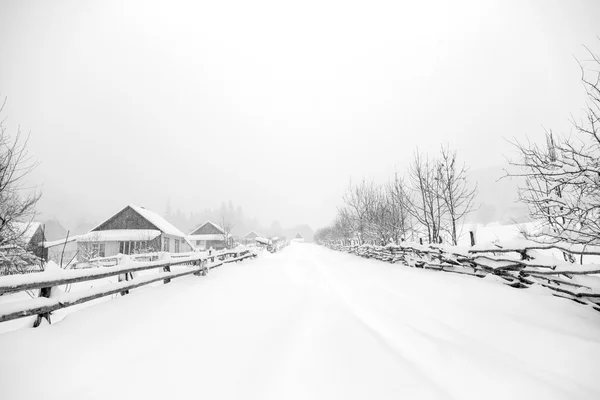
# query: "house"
[[249, 238], [30, 235], [209, 235], [132, 230], [298, 238]]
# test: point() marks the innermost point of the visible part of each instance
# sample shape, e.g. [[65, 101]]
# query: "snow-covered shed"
[[209, 235], [262, 241], [298, 238], [62, 251], [132, 230]]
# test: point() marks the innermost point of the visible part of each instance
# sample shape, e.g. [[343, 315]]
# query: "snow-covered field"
[[311, 323]]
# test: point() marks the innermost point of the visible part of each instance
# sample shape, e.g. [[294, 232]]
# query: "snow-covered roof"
[[158, 221], [210, 236], [263, 240], [60, 242], [189, 243], [26, 230], [251, 235], [299, 236], [217, 227], [115, 235]]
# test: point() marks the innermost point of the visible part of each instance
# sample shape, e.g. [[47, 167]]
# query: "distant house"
[[31, 236], [130, 231], [249, 238], [209, 235], [298, 238]]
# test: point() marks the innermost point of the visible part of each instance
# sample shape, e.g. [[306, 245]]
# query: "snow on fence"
[[518, 264], [50, 300]]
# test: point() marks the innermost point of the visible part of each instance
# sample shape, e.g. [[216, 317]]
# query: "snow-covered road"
[[311, 323]]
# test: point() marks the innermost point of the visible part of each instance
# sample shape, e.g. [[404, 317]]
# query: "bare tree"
[[399, 202], [359, 201], [227, 225], [562, 178], [380, 224], [90, 247], [342, 227], [457, 194], [15, 204], [427, 206]]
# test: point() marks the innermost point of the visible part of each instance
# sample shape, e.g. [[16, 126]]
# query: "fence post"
[[124, 277], [198, 263], [167, 268], [44, 292], [472, 235]]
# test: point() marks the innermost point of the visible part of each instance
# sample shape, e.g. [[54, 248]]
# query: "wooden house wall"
[[35, 244], [183, 246]]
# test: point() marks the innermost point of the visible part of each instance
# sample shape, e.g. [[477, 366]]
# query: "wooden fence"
[[47, 302], [520, 265]]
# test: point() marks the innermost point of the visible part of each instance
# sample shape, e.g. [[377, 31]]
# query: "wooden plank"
[[38, 281]]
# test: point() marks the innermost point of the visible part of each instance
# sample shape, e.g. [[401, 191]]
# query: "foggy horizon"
[[271, 107]]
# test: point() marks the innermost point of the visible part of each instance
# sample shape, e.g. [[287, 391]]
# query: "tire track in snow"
[[437, 391]]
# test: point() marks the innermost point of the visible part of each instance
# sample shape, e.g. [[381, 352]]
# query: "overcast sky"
[[275, 105]]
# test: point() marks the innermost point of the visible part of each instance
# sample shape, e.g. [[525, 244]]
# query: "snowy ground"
[[311, 323]]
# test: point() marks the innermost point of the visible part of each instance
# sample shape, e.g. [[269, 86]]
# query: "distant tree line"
[[560, 186], [429, 201]]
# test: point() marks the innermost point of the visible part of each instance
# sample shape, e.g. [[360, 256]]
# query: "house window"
[[124, 248], [98, 250], [131, 247], [176, 245], [166, 244]]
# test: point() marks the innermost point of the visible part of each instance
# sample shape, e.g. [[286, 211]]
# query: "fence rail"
[[47, 302], [519, 264]]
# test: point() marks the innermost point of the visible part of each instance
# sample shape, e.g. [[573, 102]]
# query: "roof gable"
[[251, 235], [162, 224], [27, 230], [134, 217], [299, 236], [208, 228]]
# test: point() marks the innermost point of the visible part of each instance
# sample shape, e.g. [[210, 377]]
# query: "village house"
[[132, 230], [30, 235], [209, 235], [299, 238], [250, 237]]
